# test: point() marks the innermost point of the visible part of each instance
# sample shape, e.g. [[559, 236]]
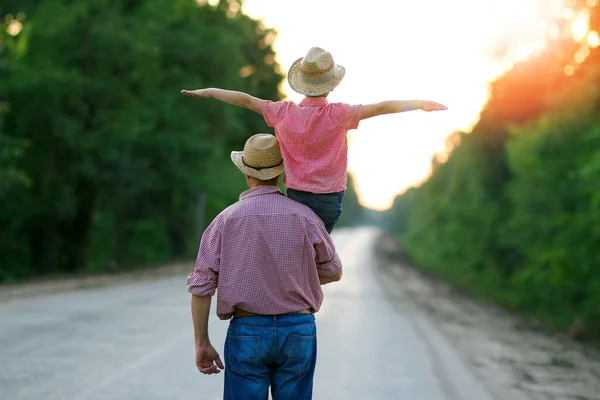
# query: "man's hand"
[[427, 105], [207, 359], [200, 93]]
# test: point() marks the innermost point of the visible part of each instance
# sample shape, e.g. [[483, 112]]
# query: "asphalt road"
[[135, 341]]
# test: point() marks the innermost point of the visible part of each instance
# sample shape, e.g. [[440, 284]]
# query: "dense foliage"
[[104, 165], [513, 214], [352, 210]]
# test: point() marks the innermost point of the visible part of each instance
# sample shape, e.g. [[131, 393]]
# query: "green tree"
[[117, 158], [512, 213], [352, 210], [555, 218]]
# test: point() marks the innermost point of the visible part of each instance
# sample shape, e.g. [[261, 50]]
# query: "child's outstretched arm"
[[398, 106], [240, 99]]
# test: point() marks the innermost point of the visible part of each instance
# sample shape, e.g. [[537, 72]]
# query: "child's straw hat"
[[315, 74]]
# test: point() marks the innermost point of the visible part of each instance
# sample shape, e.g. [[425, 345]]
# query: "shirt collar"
[[314, 101], [260, 190]]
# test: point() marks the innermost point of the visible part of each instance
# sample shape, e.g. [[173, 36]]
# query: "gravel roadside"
[[515, 358]]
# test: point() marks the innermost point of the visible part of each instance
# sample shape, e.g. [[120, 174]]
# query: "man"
[[268, 256]]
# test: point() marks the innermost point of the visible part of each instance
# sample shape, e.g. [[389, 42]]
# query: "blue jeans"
[[277, 351], [328, 206]]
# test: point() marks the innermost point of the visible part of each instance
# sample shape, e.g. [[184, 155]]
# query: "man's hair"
[[272, 181]]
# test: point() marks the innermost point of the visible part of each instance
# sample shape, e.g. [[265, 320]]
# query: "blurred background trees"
[[513, 214], [103, 163], [352, 210]]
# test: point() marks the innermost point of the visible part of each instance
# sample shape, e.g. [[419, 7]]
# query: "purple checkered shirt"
[[265, 254]]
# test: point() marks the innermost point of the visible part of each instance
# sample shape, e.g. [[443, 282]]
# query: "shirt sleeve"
[[349, 115], [273, 111], [203, 281], [327, 260]]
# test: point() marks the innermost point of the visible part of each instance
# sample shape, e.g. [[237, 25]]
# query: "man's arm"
[[239, 99], [329, 265], [207, 359], [398, 106], [324, 280]]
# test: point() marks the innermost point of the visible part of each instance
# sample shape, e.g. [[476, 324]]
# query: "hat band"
[[322, 79], [259, 168]]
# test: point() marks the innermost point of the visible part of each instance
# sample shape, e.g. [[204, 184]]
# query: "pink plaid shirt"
[[312, 138], [265, 254]]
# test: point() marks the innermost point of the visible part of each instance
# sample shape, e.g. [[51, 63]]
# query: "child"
[[312, 134]]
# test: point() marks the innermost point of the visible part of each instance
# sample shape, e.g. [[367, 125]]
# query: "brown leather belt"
[[242, 313]]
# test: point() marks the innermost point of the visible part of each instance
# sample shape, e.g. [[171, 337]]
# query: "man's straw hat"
[[261, 157], [315, 74]]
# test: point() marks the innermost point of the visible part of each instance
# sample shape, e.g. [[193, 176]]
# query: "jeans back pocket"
[[300, 352], [243, 354]]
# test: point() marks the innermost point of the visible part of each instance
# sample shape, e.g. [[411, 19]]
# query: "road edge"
[[453, 368], [21, 291]]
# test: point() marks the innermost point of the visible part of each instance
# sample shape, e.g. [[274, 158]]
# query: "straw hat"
[[261, 157], [315, 74]]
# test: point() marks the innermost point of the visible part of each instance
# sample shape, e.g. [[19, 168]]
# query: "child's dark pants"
[[328, 206]]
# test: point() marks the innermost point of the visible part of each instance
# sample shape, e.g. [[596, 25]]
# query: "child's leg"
[[328, 206]]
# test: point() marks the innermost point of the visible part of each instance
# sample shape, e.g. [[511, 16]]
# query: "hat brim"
[[263, 174], [312, 89]]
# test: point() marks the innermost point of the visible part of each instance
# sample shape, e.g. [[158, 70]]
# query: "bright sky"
[[439, 50]]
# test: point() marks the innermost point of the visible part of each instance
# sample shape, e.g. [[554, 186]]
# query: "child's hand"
[[200, 93], [427, 105]]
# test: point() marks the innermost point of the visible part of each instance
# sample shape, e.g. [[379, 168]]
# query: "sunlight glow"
[[14, 27], [246, 71], [580, 25], [593, 39], [402, 50], [582, 54], [553, 32], [211, 3], [569, 70]]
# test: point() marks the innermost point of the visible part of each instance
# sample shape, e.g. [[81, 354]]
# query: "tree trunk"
[[78, 237]]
